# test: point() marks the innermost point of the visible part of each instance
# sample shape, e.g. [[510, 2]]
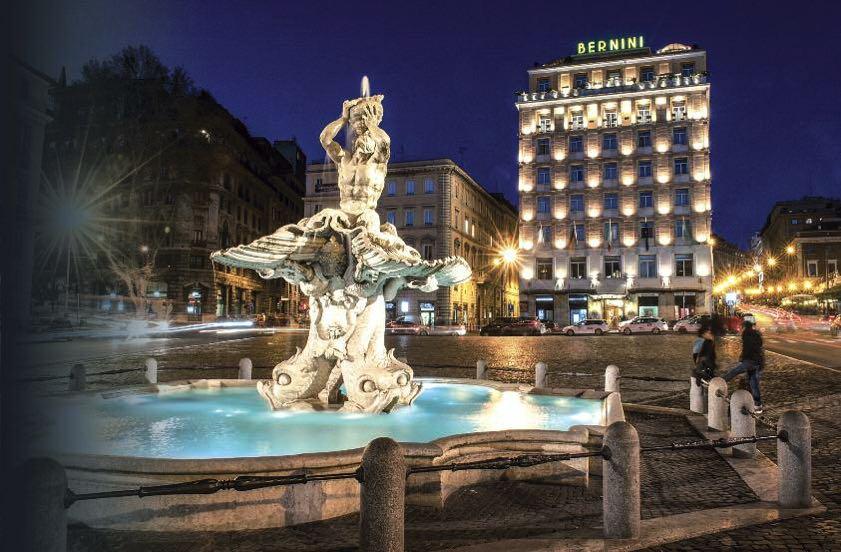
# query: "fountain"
[[349, 264]]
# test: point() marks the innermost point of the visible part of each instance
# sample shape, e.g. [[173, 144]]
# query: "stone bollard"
[[697, 398], [42, 517], [481, 370], [742, 424], [613, 409], [621, 482], [611, 379], [794, 456], [540, 375], [77, 378], [382, 497], [717, 409], [245, 368], [152, 370]]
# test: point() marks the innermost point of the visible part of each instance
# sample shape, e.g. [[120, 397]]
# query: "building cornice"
[[612, 97]]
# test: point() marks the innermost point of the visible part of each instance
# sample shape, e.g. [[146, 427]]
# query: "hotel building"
[[614, 183], [441, 211]]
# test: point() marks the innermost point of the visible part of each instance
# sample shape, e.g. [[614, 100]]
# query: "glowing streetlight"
[[790, 249], [509, 255], [772, 261]]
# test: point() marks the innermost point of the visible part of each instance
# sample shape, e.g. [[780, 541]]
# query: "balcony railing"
[[663, 81]]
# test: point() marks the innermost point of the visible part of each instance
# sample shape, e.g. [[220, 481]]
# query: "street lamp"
[[508, 255], [790, 249]]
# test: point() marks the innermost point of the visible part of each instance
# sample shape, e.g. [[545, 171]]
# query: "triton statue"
[[349, 265]]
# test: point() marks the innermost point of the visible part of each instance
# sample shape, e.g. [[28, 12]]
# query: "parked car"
[[401, 326], [444, 329], [643, 324], [514, 326], [595, 326], [691, 324]]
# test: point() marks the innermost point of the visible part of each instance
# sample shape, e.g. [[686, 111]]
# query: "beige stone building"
[[440, 210], [614, 183]]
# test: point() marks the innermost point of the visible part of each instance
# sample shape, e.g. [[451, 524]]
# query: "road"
[[817, 348]]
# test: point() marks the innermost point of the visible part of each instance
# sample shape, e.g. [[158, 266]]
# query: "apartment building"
[[614, 183], [441, 211]]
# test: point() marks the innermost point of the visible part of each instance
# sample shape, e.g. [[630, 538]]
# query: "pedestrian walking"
[[751, 362], [703, 354]]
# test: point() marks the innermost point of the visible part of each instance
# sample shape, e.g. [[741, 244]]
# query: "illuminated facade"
[[441, 211], [614, 184]]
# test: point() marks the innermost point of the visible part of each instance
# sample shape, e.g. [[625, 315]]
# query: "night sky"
[[449, 71]]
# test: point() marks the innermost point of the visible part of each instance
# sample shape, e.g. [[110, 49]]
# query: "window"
[[428, 216], [426, 251], [795, 221], [612, 267], [643, 113], [543, 85], [683, 264], [580, 80], [646, 229], [576, 144], [687, 69], [544, 123], [811, 268], [198, 236], [391, 188], [576, 173], [832, 268], [646, 199], [391, 216], [679, 111], [648, 266], [611, 201], [682, 197], [196, 261], [610, 171], [683, 229], [611, 232], [543, 146], [578, 267], [644, 169], [681, 165], [647, 74], [808, 221], [544, 269], [466, 225], [577, 120], [679, 136], [543, 204], [609, 141], [429, 186], [545, 236], [410, 187], [644, 139], [576, 203], [611, 119], [614, 77], [544, 175], [410, 217], [580, 232]]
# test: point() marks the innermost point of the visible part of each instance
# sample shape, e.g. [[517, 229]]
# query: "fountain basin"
[[222, 428]]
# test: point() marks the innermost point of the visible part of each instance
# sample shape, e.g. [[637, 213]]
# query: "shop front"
[[578, 308], [648, 304], [545, 308], [684, 304], [427, 312]]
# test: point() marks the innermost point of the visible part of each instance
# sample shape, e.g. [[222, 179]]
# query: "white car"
[[595, 326], [444, 329], [691, 324], [643, 324]]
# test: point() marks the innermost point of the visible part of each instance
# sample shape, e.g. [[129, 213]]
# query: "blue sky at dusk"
[[449, 71]]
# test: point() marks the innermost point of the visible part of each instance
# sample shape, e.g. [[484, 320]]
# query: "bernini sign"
[[611, 45]]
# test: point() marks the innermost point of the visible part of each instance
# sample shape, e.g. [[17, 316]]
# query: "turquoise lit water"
[[235, 422]]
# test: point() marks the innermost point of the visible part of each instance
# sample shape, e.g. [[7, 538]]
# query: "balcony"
[[597, 89]]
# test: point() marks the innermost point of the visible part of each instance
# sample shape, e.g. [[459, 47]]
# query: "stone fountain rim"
[[416, 453]]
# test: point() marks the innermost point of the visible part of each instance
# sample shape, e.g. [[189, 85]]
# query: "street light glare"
[[509, 255]]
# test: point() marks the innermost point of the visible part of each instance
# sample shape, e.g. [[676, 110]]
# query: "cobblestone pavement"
[[489, 511]]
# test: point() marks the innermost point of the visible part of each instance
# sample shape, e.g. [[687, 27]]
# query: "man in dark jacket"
[[751, 362]]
